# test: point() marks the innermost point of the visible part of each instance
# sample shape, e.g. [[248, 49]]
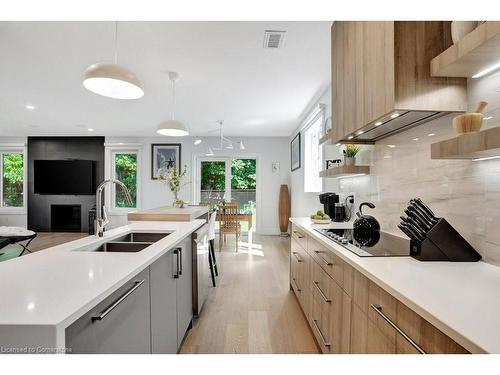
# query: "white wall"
[[267, 149], [13, 217]]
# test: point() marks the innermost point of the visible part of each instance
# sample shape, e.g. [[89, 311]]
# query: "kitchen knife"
[[413, 220], [414, 235], [424, 223], [416, 228], [426, 208], [424, 214], [407, 232]]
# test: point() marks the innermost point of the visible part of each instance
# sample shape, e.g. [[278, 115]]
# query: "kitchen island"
[[46, 294], [169, 213], [444, 306]]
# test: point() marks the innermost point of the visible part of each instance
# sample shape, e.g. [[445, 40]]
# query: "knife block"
[[443, 243]]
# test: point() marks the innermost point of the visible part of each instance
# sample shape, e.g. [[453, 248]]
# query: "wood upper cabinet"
[[382, 67]]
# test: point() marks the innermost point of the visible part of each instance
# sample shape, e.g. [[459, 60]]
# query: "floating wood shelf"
[[345, 171], [474, 52], [469, 146]]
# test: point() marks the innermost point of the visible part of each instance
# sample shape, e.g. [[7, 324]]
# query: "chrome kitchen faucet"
[[101, 217]]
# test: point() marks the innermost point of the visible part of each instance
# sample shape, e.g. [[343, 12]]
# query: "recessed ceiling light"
[[431, 134], [394, 115], [197, 141], [486, 71], [488, 118], [391, 146], [378, 123], [416, 139], [359, 132], [90, 129], [29, 107], [350, 137]]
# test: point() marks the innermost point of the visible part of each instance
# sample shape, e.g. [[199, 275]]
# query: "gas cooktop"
[[368, 243]]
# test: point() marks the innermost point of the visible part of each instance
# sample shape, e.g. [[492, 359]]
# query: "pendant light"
[[112, 80], [172, 128]]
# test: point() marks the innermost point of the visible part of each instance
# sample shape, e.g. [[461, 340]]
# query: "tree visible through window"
[[12, 180], [126, 172]]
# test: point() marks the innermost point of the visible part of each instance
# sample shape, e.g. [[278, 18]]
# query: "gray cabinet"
[[184, 289], [164, 304], [119, 324]]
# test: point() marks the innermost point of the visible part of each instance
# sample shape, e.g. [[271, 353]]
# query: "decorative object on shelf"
[[470, 122], [172, 177], [163, 157], [225, 142], [113, 80], [334, 162], [350, 153], [172, 127], [461, 28], [275, 166], [284, 210], [295, 152]]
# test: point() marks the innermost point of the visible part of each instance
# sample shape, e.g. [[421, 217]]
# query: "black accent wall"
[[61, 148]]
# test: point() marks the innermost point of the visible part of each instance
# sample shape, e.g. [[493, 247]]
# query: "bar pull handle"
[[176, 274], [298, 234], [327, 300], [115, 304], [180, 261], [325, 343], [328, 263], [378, 310], [296, 256]]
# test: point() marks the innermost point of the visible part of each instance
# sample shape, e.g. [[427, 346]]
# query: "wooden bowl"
[[468, 123]]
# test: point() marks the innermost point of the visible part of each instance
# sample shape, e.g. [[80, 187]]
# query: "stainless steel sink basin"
[[122, 247], [141, 237]]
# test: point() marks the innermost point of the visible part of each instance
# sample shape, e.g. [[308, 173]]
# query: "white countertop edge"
[[353, 260]]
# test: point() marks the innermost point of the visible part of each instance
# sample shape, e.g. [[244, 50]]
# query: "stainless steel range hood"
[[395, 122]]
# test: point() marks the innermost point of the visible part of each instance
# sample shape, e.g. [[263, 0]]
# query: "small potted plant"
[[350, 152], [172, 177]]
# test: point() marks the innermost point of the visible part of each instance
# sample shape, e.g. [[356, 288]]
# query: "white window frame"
[[316, 118], [110, 191], [14, 149]]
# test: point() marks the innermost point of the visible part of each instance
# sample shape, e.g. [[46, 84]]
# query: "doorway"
[[229, 179]]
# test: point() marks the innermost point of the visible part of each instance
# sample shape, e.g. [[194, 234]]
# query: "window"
[[12, 182], [312, 156], [125, 168]]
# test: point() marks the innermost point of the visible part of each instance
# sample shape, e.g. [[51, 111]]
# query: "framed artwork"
[[295, 152], [164, 155]]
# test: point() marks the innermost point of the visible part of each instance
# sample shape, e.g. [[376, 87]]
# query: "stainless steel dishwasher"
[[201, 274]]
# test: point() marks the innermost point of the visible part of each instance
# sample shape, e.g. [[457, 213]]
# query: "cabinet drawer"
[[330, 312], [327, 260], [300, 236]]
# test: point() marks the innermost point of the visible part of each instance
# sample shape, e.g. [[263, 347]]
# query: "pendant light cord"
[[173, 99], [116, 42]]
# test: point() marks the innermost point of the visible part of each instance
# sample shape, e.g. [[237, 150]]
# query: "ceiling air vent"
[[273, 38]]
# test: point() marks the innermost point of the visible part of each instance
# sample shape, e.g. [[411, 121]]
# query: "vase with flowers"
[[172, 177], [350, 152]]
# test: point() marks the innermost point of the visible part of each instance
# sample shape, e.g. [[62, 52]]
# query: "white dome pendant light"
[[172, 128], [112, 80]]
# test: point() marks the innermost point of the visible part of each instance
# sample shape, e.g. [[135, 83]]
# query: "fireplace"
[[65, 218]]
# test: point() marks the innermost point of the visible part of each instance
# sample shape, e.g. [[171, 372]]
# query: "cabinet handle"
[[298, 234], [315, 323], [327, 300], [323, 259], [180, 261], [296, 285], [136, 285], [295, 255], [378, 310], [176, 274]]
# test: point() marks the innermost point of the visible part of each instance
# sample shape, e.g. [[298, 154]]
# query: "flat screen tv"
[[67, 177]]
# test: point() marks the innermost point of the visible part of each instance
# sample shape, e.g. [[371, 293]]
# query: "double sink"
[[128, 243]]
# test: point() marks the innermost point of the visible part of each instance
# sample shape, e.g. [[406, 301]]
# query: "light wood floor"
[[252, 309]]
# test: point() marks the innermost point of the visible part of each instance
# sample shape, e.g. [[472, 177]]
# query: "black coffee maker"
[[328, 201]]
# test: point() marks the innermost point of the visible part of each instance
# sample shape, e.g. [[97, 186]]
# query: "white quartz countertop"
[[461, 299], [54, 287]]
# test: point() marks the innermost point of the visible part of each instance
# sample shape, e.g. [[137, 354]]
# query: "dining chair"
[[229, 223]]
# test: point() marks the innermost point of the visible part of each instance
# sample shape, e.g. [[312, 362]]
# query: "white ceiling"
[[225, 74]]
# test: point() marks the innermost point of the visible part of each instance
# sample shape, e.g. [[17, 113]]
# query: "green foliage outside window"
[[12, 180], [213, 175], [243, 174], [126, 172]]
